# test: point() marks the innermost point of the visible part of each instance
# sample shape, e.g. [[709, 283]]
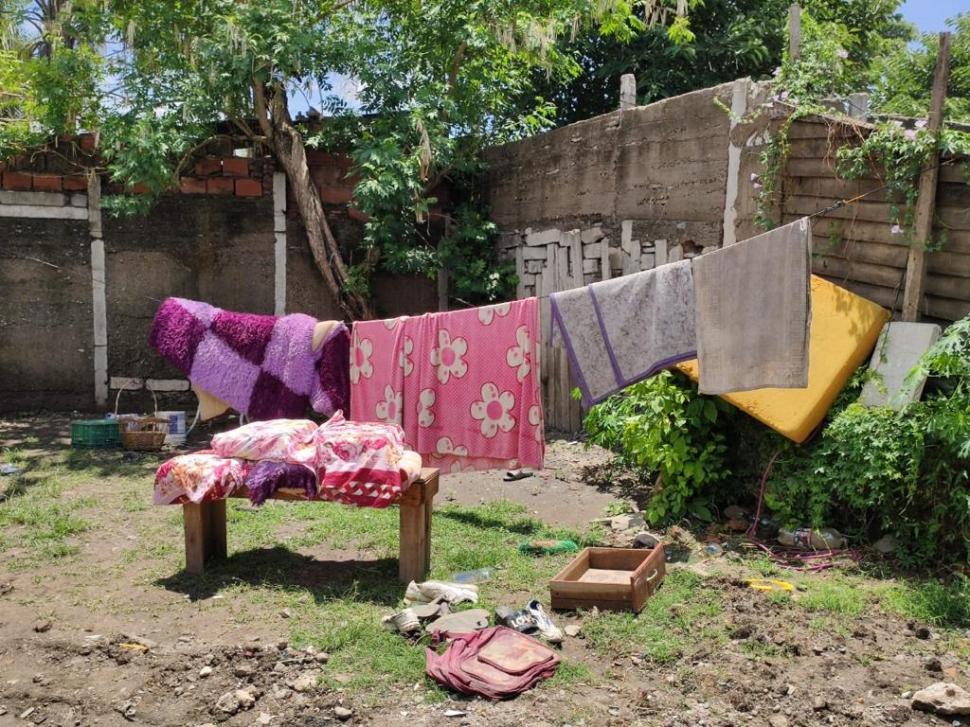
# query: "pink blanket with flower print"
[[463, 385]]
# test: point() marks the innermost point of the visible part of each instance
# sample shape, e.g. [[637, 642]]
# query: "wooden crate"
[[613, 579]]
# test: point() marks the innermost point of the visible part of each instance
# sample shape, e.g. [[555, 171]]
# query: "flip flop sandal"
[[460, 622], [438, 607], [519, 619], [514, 475]]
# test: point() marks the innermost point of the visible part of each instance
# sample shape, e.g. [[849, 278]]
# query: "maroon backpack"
[[497, 663]]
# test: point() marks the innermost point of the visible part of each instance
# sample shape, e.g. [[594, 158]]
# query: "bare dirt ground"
[[100, 625]]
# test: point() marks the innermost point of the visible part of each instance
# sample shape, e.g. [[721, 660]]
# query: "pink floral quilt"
[[463, 385]]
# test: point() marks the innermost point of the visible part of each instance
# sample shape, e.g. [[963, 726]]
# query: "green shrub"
[[875, 471], [662, 428], [870, 471]]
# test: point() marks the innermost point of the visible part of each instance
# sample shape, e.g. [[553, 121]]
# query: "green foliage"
[[729, 39], [662, 428], [903, 78], [467, 250], [437, 81], [878, 470]]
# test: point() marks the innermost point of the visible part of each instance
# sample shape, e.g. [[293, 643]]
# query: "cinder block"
[[898, 350], [533, 253], [591, 266], [593, 234], [126, 382], [592, 249], [534, 266], [167, 384], [42, 199], [546, 237]]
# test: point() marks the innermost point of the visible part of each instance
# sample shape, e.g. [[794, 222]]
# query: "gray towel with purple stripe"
[[620, 331]]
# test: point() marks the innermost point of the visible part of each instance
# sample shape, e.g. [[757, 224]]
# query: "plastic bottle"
[[472, 576], [809, 539]]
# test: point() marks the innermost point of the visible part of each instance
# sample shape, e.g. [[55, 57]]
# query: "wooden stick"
[[926, 202]]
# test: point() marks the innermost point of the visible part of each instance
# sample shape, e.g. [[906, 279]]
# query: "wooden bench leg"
[[205, 534], [415, 549]]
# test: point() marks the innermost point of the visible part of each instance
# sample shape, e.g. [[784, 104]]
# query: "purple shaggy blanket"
[[262, 366], [264, 478]]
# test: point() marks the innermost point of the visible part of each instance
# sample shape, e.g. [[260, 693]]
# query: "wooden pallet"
[[205, 529]]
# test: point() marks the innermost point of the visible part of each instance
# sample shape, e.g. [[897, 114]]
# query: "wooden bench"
[[205, 529]]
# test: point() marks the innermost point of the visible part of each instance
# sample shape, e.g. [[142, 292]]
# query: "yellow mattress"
[[843, 333]]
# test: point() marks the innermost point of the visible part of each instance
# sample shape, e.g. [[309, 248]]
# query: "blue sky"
[[931, 15]]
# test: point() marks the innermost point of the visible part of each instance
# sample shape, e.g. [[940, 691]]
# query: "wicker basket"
[[141, 433]]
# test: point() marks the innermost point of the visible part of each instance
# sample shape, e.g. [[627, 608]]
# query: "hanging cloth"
[[754, 310], [620, 331], [464, 385]]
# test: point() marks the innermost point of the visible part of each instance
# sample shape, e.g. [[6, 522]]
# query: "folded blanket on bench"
[[353, 463]]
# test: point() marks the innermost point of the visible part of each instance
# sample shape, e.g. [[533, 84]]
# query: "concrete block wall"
[[621, 193], [80, 289]]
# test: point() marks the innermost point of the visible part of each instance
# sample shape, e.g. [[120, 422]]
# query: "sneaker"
[[453, 593], [519, 619], [547, 629], [403, 622]]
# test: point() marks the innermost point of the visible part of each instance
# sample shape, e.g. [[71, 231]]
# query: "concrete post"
[[628, 91], [98, 291]]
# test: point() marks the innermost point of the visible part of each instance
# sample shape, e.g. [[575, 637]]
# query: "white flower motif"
[[445, 446], [360, 365], [391, 323], [404, 356], [520, 356], [389, 410], [493, 410], [535, 419], [447, 357], [425, 412], [487, 314]]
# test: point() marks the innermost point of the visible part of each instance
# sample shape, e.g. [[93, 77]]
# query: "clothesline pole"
[[926, 201]]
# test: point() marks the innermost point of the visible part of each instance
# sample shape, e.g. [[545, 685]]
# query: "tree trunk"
[[287, 142]]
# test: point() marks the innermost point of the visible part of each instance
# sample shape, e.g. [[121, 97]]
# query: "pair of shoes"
[[408, 621], [513, 475], [403, 622], [530, 620], [453, 593]]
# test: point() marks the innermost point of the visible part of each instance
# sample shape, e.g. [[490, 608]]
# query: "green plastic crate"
[[94, 433]]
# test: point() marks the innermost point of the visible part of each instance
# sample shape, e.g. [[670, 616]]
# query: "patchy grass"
[[673, 620], [834, 594], [940, 604], [42, 522]]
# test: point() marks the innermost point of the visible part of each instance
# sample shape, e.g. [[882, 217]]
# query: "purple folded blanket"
[[262, 366], [266, 477]]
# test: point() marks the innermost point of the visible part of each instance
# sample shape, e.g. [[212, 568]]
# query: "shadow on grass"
[[522, 526], [114, 462], [369, 581]]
